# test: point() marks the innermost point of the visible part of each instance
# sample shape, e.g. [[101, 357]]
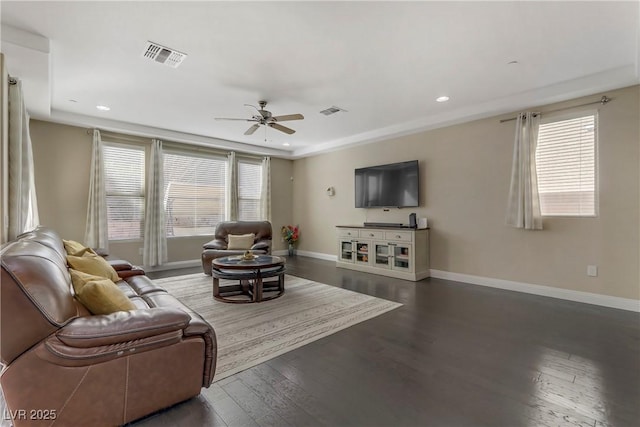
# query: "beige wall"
[[465, 173], [62, 157]]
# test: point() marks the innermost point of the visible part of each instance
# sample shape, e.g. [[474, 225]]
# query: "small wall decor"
[[331, 191]]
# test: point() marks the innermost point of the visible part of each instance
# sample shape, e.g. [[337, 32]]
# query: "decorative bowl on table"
[[248, 256]]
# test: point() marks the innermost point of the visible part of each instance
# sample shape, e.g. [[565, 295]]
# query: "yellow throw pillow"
[[240, 241], [104, 297], [93, 264], [79, 279], [72, 247]]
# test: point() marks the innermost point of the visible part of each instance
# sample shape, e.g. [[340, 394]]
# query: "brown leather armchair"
[[217, 247], [63, 363]]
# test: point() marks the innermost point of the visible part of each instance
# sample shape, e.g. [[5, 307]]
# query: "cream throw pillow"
[[93, 264], [240, 241], [103, 297]]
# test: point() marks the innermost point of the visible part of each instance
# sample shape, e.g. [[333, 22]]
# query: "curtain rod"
[[604, 100], [172, 144]]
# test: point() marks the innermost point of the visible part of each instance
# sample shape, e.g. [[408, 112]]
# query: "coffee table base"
[[252, 286]]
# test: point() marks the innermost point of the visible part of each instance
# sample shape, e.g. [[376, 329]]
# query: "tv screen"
[[392, 185]]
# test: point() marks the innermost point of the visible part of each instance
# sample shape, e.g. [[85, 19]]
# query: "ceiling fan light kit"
[[265, 118]]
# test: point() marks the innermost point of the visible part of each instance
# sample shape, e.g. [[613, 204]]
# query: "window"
[[566, 166], [194, 193], [249, 190], [124, 185]]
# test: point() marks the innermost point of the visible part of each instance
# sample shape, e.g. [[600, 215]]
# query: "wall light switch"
[[592, 270]]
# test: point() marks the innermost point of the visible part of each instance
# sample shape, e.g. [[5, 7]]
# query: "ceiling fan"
[[265, 118]]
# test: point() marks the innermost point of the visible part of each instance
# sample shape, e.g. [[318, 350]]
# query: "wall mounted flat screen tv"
[[391, 185]]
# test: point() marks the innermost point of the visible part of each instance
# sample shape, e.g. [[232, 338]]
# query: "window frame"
[[575, 114], [256, 162], [145, 153], [186, 152]]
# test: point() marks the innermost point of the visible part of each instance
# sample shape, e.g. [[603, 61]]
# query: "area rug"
[[249, 334]]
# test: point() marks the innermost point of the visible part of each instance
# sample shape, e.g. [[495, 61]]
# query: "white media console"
[[390, 251]]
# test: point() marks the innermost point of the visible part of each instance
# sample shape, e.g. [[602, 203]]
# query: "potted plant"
[[291, 234]]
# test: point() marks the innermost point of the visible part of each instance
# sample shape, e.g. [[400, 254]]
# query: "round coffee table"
[[251, 275]]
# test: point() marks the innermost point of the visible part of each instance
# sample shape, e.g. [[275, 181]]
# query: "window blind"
[[194, 193], [124, 187], [566, 166], [249, 190]]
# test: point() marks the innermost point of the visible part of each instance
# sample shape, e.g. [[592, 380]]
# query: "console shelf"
[[389, 251]]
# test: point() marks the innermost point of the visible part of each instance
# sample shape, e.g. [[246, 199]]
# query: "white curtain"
[[96, 233], [155, 239], [265, 195], [523, 210], [23, 204], [232, 188]]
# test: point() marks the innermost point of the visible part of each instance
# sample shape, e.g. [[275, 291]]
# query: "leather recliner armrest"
[[119, 264], [215, 244], [134, 271], [122, 326], [264, 246]]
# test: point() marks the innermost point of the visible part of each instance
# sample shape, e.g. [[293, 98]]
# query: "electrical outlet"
[[592, 270]]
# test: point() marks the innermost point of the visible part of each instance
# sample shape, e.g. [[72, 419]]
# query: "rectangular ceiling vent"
[[332, 110], [163, 55]]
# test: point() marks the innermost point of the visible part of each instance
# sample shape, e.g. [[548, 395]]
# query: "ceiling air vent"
[[332, 110], [163, 55]]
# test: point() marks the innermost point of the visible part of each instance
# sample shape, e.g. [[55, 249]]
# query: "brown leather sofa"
[[217, 247], [63, 363]]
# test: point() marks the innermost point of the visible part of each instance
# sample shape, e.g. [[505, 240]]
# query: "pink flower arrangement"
[[290, 233]]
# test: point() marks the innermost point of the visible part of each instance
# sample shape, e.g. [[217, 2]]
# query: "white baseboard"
[[317, 255], [547, 291], [175, 265], [510, 285]]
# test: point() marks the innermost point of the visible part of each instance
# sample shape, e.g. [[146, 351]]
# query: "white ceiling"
[[384, 62]]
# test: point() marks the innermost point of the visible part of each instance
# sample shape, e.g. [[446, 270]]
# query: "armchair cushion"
[[103, 297], [240, 241], [92, 264]]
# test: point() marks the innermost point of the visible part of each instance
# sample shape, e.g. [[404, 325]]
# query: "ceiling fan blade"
[[252, 129], [288, 117], [282, 128], [243, 120]]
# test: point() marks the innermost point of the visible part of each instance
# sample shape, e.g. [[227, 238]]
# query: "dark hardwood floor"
[[454, 355]]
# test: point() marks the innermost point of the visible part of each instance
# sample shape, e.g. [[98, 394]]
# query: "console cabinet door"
[[346, 249], [382, 256], [402, 256], [362, 248]]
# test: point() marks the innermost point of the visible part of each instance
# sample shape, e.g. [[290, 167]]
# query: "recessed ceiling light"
[[442, 99], [512, 63], [103, 107], [286, 144], [72, 100]]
